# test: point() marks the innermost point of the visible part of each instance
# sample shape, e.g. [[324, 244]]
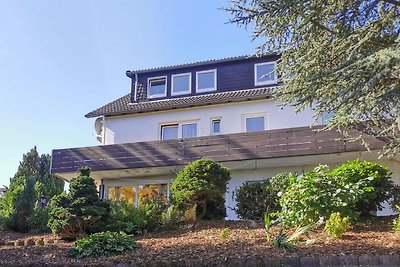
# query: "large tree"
[[38, 167], [340, 57]]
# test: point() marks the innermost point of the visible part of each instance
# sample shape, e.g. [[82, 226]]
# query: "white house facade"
[[220, 109]]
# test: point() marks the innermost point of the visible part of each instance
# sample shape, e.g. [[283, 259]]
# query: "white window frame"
[[274, 81], [183, 92], [166, 126], [212, 125], [179, 123], [198, 90], [254, 115], [158, 95]]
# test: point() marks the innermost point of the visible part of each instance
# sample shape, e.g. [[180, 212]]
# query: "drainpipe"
[[104, 130], [136, 88]]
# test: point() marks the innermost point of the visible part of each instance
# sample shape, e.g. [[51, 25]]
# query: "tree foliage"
[[341, 57], [18, 203], [79, 212], [38, 167], [201, 183]]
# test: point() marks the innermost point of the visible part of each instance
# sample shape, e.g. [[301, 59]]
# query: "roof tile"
[[123, 105]]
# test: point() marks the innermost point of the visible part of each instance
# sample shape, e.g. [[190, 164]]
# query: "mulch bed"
[[202, 243]]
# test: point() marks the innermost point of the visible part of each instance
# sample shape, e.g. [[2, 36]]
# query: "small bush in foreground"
[[102, 244], [337, 225], [396, 222], [225, 233]]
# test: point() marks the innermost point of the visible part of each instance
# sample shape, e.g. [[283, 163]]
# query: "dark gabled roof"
[[198, 63], [300, 141], [123, 106]]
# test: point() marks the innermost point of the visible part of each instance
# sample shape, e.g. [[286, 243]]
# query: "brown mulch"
[[202, 243]]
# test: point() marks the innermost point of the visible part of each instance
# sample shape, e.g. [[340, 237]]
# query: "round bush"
[[378, 185], [254, 198], [199, 183]]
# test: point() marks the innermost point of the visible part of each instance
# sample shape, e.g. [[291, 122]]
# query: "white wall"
[[146, 127]]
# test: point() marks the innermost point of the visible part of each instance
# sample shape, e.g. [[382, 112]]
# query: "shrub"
[[80, 212], [254, 198], [18, 202], [3, 223], [337, 225], [171, 217], [377, 187], [198, 183], [103, 244], [225, 233], [38, 220], [151, 209], [123, 218], [318, 193], [396, 222]]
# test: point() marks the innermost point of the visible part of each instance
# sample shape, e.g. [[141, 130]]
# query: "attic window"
[[206, 81], [157, 87], [265, 73], [181, 84]]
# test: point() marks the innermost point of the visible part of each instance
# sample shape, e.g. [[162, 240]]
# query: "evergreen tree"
[[340, 57], [80, 212], [38, 167]]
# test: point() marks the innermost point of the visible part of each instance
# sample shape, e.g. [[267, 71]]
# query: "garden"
[[319, 213]]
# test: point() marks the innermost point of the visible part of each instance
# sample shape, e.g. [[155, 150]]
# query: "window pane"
[[189, 130], [157, 87], [255, 124], [152, 191], [126, 193], [265, 73], [181, 83], [206, 80], [216, 126], [169, 132]]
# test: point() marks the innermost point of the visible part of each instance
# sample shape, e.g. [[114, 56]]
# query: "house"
[[220, 109]]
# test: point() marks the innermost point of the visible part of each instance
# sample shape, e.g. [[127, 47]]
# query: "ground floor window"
[[129, 193]]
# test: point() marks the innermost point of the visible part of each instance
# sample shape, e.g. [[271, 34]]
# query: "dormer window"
[[157, 87], [181, 84], [265, 73], [206, 81]]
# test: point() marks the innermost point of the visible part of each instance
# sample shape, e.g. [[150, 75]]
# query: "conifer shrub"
[[201, 184], [18, 203], [80, 212], [38, 220]]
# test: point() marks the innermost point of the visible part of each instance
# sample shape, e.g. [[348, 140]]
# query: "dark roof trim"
[[123, 106], [196, 64], [291, 142]]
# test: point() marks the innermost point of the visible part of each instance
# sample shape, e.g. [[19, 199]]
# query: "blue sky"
[[62, 59]]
